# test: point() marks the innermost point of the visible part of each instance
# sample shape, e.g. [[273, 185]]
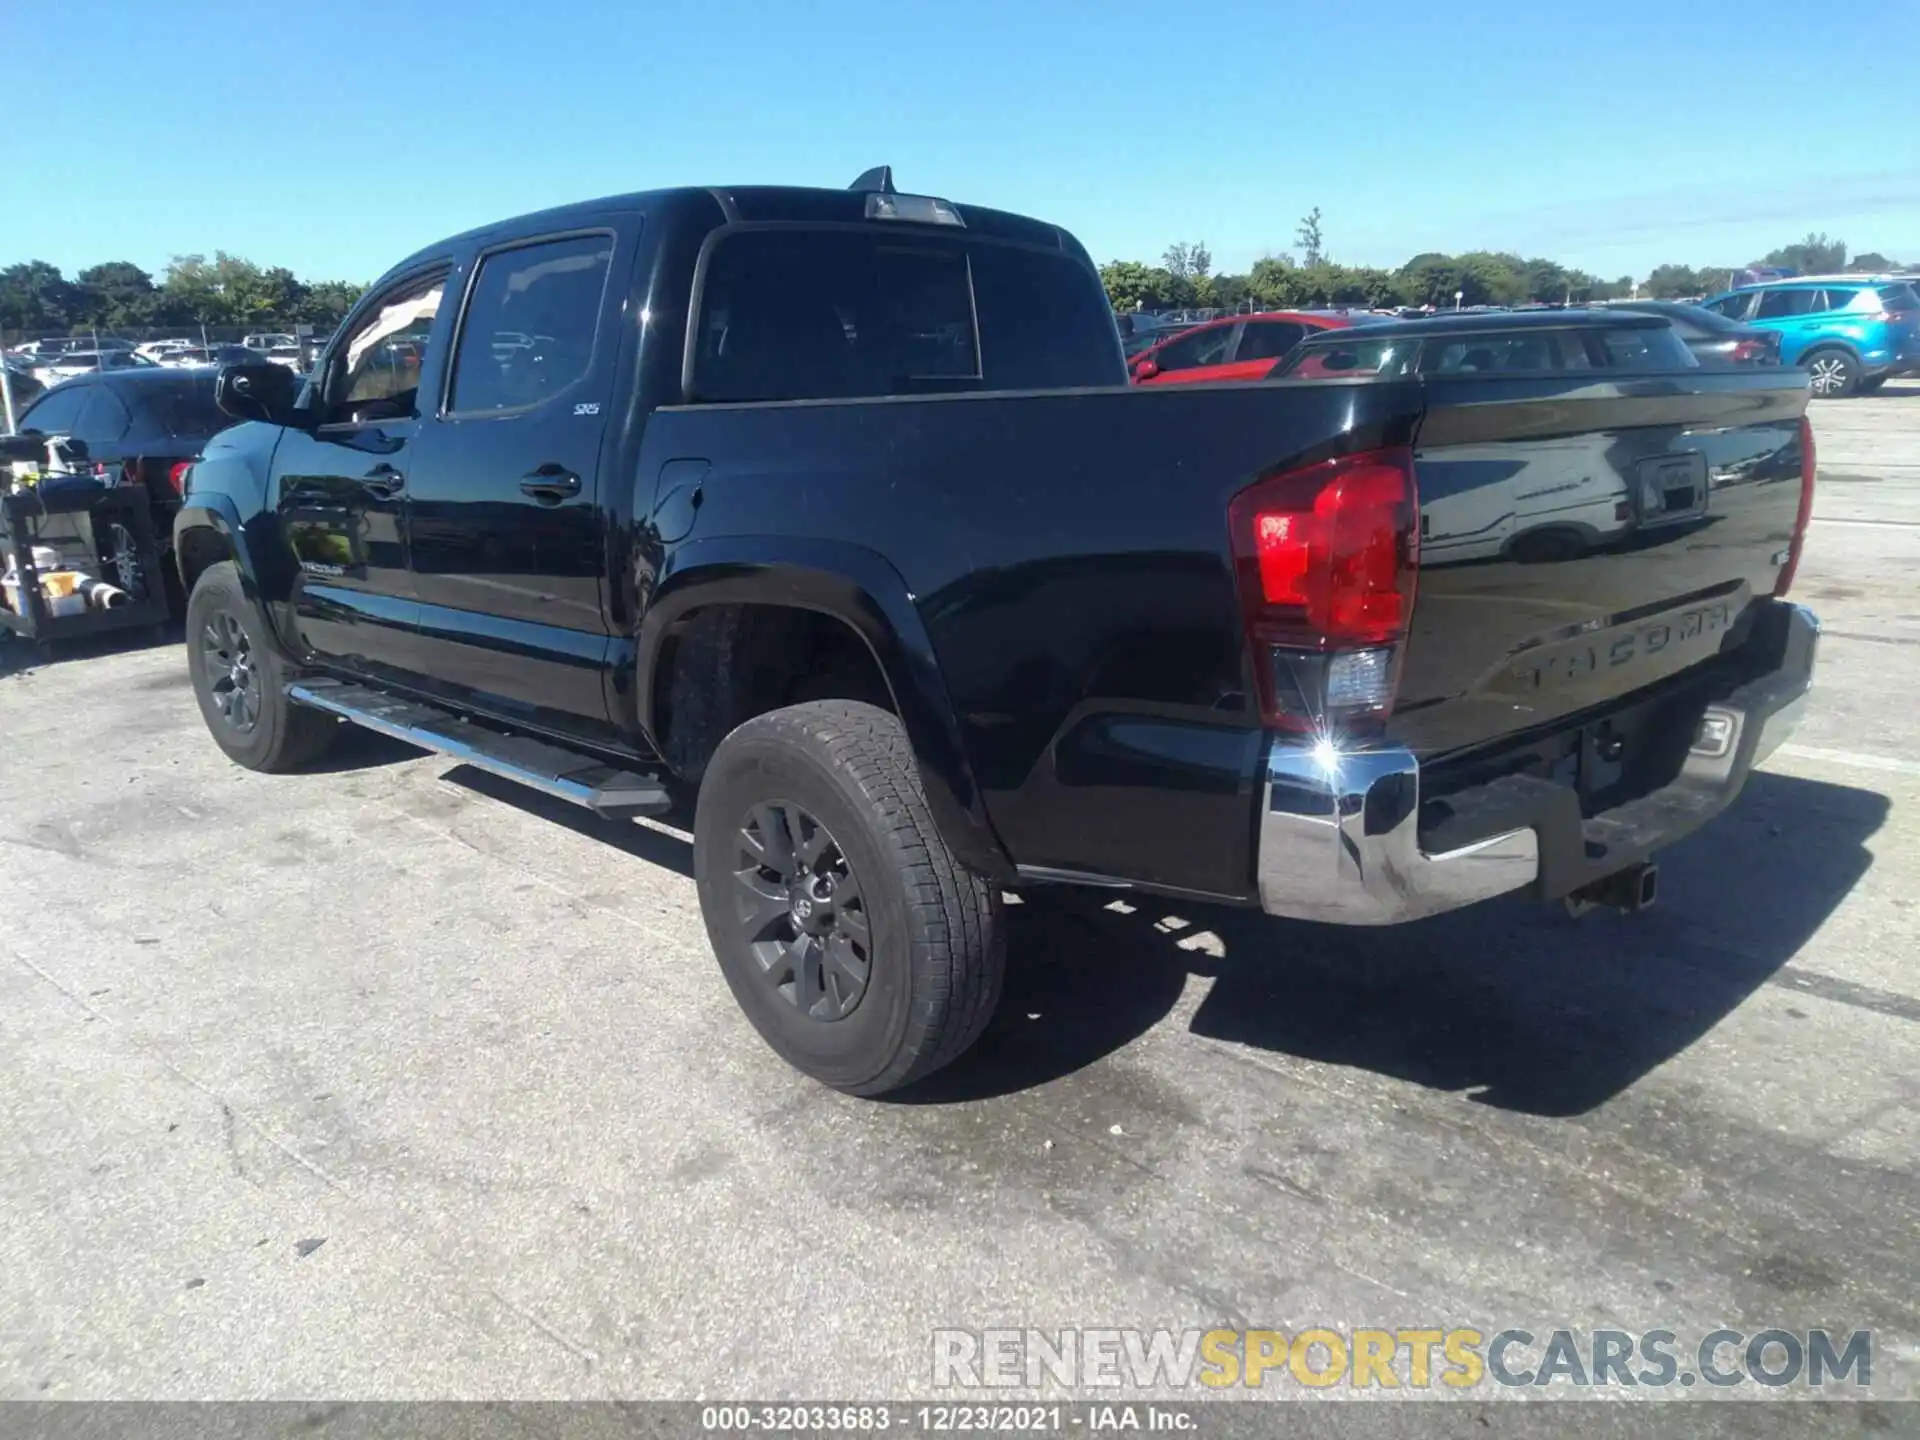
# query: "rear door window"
[[1209, 346], [1648, 350], [1482, 354], [1384, 358], [1268, 339], [1782, 304], [1836, 299]]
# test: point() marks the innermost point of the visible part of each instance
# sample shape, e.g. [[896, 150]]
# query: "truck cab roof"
[[747, 205]]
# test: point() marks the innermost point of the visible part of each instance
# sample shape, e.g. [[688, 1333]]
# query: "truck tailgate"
[[1579, 546]]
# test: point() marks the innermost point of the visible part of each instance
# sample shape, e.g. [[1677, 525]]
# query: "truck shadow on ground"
[[1510, 1004], [657, 847]]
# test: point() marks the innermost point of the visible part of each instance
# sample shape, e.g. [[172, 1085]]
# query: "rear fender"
[[859, 588]]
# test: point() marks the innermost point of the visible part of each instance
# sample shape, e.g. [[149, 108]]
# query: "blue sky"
[[334, 136]]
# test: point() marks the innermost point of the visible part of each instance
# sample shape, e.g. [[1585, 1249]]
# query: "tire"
[[1833, 374], [934, 951], [250, 718], [1871, 387]]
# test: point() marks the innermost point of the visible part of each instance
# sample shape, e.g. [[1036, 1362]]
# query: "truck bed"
[[1068, 553]]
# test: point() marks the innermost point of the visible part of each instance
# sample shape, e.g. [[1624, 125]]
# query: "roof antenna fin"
[[879, 178]]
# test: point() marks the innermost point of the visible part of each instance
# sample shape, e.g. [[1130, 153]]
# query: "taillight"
[[1784, 581], [1326, 558], [1753, 351], [176, 476]]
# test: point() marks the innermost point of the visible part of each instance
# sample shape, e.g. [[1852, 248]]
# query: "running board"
[[550, 769]]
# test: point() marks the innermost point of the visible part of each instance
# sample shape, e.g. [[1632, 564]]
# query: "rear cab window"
[[805, 313]]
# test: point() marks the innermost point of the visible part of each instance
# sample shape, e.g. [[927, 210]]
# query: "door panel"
[[506, 525], [340, 495], [340, 490]]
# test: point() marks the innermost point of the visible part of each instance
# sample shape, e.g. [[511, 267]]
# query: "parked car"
[[291, 356], [980, 614], [158, 350], [142, 425], [1714, 339], [1852, 335], [1240, 347], [268, 341], [1140, 341], [70, 363], [195, 356]]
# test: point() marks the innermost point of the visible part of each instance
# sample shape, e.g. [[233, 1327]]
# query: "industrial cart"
[[113, 527]]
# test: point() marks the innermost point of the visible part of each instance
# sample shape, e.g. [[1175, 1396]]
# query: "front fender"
[[858, 587]]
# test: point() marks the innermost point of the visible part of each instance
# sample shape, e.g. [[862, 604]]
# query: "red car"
[[1240, 347]]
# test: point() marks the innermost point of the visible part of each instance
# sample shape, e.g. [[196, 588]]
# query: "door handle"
[[384, 481], [550, 484]]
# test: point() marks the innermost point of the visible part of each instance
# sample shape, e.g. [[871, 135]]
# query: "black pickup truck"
[[832, 514]]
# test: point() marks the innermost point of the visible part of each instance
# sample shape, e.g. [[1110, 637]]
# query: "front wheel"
[[1833, 374], [240, 682], [859, 947]]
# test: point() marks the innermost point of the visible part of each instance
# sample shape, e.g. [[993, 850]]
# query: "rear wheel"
[[1833, 374], [240, 680], [862, 951]]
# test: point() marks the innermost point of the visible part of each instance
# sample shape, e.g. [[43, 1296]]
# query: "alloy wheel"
[[227, 657], [125, 561], [800, 909], [1828, 374]]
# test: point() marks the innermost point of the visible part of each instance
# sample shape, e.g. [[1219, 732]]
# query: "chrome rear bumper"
[[1339, 837]]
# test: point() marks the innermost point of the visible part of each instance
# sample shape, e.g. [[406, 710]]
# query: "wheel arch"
[[855, 589]]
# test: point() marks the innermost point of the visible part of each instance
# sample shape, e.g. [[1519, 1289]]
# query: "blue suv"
[[1852, 334]]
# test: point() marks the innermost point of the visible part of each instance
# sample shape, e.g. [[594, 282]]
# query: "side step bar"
[[579, 779]]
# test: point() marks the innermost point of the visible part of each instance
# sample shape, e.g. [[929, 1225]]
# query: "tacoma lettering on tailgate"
[[1575, 660]]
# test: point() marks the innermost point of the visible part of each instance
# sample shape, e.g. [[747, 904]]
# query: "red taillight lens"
[[1784, 581], [176, 476], [1326, 559]]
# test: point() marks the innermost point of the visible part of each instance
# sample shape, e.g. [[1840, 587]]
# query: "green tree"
[[1274, 283], [1814, 255], [1675, 282], [36, 296], [1126, 284], [327, 301], [1186, 261], [1873, 263], [1312, 243], [117, 294]]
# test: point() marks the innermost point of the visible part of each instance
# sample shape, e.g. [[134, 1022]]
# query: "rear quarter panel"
[[1067, 553]]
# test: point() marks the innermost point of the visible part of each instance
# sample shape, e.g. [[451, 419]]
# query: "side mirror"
[[1145, 370], [259, 390]]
